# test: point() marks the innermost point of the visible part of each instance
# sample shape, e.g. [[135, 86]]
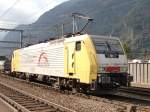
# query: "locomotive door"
[[71, 58]]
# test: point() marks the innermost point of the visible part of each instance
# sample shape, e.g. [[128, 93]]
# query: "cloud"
[[25, 11], [15, 12]]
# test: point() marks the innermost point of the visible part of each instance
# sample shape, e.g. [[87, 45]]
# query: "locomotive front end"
[[112, 62]]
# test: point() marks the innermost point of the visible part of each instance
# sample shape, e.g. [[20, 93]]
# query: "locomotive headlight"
[[123, 69], [102, 69]]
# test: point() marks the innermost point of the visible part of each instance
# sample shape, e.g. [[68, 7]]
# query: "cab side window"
[[78, 45]]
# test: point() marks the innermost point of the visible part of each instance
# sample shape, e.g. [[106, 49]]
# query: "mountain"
[[127, 19], [135, 27]]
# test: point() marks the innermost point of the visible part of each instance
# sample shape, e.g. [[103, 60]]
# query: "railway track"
[[136, 90], [132, 93], [135, 93], [115, 99], [25, 102]]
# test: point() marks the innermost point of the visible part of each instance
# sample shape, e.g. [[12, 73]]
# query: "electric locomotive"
[[80, 62]]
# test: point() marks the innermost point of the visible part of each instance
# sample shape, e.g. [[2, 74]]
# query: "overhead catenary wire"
[[6, 12], [44, 25], [56, 26], [89, 12], [28, 28], [38, 27], [42, 9], [33, 15], [5, 47]]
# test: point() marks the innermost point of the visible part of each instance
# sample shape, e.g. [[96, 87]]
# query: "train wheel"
[[74, 90], [31, 78], [45, 78], [23, 76], [86, 89]]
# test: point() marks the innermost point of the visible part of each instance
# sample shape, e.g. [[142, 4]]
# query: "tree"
[[127, 50]]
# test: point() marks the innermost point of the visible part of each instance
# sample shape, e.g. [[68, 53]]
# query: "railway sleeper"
[[18, 97], [40, 108], [48, 110], [30, 103], [52, 110], [25, 102], [35, 105], [11, 95]]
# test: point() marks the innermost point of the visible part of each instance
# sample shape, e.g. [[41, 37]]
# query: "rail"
[[25, 102], [135, 92]]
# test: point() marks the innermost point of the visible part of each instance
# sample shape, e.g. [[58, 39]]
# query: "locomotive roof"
[[81, 37], [104, 37], [71, 39]]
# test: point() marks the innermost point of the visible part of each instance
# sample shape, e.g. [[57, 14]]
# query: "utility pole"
[[73, 24], [14, 30], [62, 30], [21, 38]]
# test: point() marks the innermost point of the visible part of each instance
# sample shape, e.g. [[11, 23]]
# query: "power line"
[[15, 24], [38, 27], [32, 16], [31, 28], [43, 8], [4, 13], [6, 29], [12, 42], [5, 47]]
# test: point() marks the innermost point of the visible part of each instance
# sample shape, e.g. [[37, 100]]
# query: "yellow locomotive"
[[84, 62]]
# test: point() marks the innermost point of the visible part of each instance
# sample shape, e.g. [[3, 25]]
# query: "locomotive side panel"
[[44, 58], [86, 66], [81, 59]]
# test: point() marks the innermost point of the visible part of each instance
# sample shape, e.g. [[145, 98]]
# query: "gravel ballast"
[[76, 103]]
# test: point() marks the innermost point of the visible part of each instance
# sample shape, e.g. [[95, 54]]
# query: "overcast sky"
[[24, 11]]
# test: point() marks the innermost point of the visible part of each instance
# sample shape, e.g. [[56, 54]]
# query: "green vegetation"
[[127, 50]]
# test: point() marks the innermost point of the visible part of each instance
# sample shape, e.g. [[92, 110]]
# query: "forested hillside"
[[135, 27], [127, 19]]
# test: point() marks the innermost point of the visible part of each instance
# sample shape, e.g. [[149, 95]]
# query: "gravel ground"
[[75, 102], [4, 107]]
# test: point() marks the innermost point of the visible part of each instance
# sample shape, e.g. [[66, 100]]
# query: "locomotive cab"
[[112, 62]]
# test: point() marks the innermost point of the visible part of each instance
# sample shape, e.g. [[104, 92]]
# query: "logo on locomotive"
[[43, 60]]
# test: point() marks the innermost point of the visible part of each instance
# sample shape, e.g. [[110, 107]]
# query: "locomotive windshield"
[[105, 46]]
